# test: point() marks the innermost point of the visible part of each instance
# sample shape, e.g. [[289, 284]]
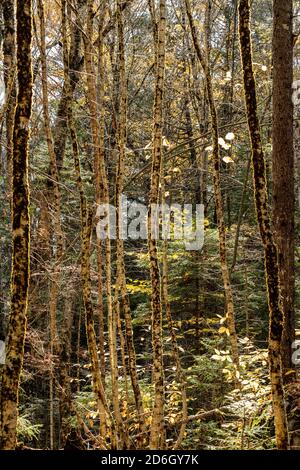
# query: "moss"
[[21, 232], [264, 223]]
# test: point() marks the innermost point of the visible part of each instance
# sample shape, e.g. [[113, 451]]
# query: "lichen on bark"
[[264, 224], [20, 231]]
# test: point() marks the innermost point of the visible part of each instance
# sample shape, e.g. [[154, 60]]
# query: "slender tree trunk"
[[100, 178], [21, 231], [152, 11], [283, 170], [86, 227], [76, 63], [121, 274], [198, 200], [218, 196], [263, 217], [240, 216], [64, 366], [8, 110], [78, 338], [157, 425], [57, 229], [175, 350], [86, 221], [226, 112], [9, 63], [56, 226], [99, 156]]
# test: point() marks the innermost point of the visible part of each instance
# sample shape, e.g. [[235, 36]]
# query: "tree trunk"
[[98, 147], [175, 350], [64, 365], [218, 196], [86, 228], [9, 65], [263, 217], [157, 425], [76, 62], [121, 274], [57, 232], [21, 231], [283, 170], [100, 155], [100, 178], [86, 222]]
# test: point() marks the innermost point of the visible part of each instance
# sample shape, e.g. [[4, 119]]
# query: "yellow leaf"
[[228, 160], [222, 330], [289, 372]]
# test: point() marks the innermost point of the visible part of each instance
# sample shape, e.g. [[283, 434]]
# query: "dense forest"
[[149, 224]]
